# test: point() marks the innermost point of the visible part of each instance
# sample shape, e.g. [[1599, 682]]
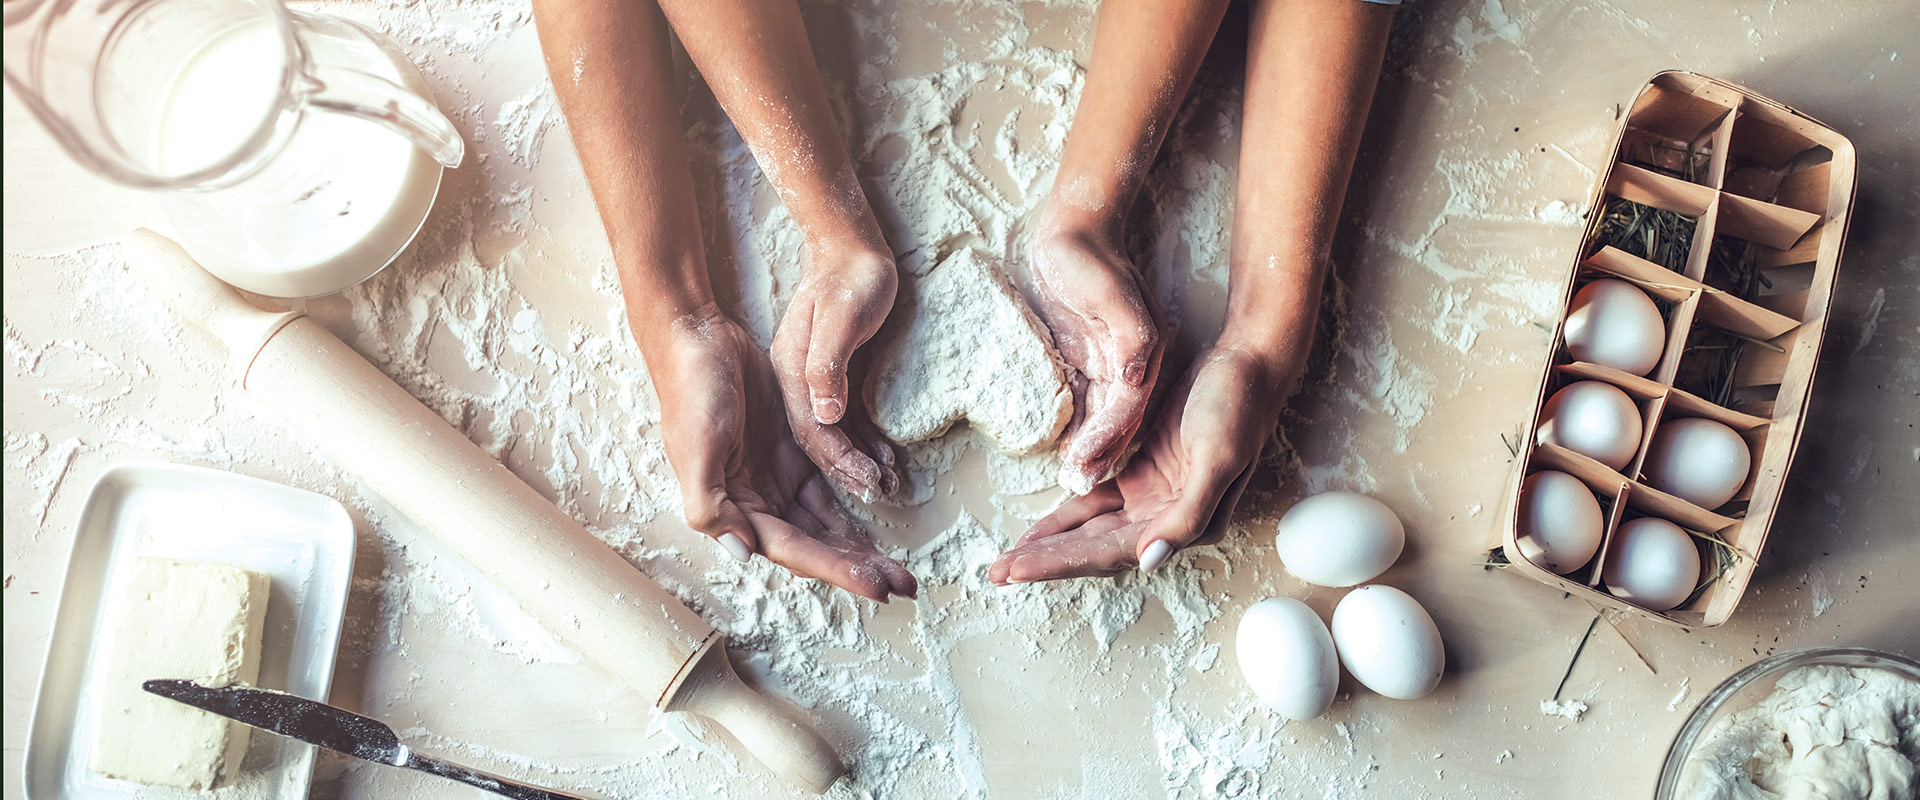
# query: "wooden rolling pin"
[[575, 584]]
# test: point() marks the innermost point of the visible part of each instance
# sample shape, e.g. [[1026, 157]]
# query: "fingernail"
[[736, 547], [1155, 555], [828, 410], [1134, 373]]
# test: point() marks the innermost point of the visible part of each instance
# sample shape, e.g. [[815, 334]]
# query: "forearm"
[[755, 56], [1311, 70], [613, 73], [1145, 55]]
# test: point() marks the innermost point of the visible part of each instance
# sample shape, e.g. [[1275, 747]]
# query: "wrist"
[[1273, 300], [666, 306], [834, 218], [1060, 249], [859, 257], [661, 335], [1276, 341], [1083, 219]]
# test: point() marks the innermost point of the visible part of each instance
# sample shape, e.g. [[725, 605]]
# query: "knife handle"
[[484, 780]]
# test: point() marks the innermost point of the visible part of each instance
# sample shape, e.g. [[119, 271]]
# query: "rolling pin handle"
[[201, 299], [713, 690]]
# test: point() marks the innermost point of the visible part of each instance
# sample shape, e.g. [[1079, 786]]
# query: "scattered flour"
[[1205, 659], [1570, 710], [1870, 321], [1680, 696], [1820, 590], [1560, 212], [523, 122]]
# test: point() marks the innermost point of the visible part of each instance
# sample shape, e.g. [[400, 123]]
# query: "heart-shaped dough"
[[969, 348]]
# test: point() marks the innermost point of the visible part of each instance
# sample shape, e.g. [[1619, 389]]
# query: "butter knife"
[[336, 729]]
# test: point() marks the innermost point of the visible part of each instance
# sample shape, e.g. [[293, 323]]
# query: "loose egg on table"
[[1339, 539], [1652, 564], [1559, 523], [1287, 657], [1697, 460], [1594, 419], [1388, 642], [1612, 322]]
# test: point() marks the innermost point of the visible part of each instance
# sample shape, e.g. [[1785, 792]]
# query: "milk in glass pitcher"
[[295, 154]]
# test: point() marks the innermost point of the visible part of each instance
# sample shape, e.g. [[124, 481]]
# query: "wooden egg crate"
[[1765, 186]]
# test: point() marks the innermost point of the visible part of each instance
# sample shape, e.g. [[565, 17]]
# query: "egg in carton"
[[1736, 291]]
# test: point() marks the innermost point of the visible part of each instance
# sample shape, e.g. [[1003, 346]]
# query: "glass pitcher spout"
[[344, 90], [347, 84]]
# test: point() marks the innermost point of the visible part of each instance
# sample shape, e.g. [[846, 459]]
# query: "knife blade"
[[335, 729]]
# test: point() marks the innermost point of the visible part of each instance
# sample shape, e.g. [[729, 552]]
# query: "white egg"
[[1594, 419], [1652, 564], [1612, 322], [1559, 523], [1697, 460], [1387, 642], [1339, 539], [1287, 657]]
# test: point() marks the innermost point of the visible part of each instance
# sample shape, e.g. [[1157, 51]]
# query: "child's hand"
[[743, 480], [1092, 300], [835, 311], [1206, 437]]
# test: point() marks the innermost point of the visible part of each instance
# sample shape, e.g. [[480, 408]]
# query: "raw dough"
[[1825, 733], [177, 619], [970, 348]]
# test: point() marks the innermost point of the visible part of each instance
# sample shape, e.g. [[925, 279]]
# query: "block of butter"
[[198, 621]]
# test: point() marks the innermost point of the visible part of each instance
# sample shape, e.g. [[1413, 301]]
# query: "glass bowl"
[[1750, 685]]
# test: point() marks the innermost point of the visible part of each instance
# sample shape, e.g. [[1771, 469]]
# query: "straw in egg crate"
[[1593, 419], [1611, 322], [1559, 524]]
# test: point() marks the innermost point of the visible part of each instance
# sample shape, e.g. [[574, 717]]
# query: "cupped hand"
[[834, 312], [1187, 474], [1093, 301], [743, 479]]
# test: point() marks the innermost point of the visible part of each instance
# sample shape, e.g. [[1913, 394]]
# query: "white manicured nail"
[[1155, 556], [827, 410], [735, 546]]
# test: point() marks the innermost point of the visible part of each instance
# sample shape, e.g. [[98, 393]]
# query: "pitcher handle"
[[376, 99]]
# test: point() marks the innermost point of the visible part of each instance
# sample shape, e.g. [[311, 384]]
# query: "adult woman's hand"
[[743, 479], [1202, 443], [1092, 299]]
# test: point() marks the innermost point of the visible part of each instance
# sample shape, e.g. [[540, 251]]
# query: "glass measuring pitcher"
[[295, 154]]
